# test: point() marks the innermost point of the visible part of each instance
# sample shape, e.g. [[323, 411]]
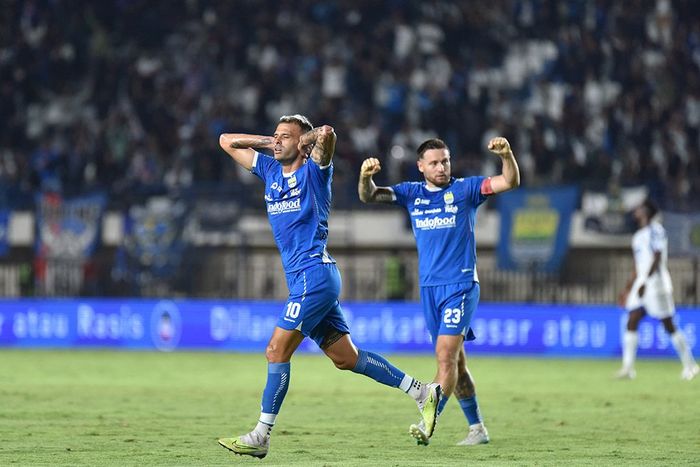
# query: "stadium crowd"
[[131, 95]]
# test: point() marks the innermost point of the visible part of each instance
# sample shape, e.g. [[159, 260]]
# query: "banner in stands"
[[68, 228], [152, 247], [683, 232], [246, 326], [68, 231], [535, 227]]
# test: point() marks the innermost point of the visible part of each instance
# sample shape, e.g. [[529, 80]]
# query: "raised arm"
[[368, 191], [322, 139], [510, 173], [241, 147]]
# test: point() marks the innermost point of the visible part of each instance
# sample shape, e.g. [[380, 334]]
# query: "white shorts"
[[657, 304]]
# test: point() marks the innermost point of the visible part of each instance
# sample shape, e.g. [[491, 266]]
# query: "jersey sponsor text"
[[281, 207], [432, 223]]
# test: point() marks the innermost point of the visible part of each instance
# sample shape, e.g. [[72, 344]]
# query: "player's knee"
[[633, 321], [274, 354], [447, 359], [668, 325], [344, 360], [344, 363]]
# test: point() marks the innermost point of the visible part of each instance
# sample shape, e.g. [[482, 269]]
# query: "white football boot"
[[626, 373], [690, 372], [478, 434]]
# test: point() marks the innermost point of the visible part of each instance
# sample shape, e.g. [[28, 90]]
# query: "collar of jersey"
[[437, 188]]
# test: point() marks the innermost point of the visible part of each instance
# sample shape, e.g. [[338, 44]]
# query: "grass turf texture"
[[129, 408]]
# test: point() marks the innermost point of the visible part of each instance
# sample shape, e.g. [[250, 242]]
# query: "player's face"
[[287, 142], [435, 166], [640, 215]]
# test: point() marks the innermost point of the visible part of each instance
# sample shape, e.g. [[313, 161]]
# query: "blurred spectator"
[[129, 96]]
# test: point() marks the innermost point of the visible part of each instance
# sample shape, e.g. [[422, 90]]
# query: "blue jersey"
[[298, 205], [443, 224]]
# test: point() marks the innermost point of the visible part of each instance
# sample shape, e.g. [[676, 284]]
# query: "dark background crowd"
[[129, 96]]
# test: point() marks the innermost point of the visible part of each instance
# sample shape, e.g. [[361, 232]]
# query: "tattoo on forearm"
[[365, 189], [323, 149], [251, 143], [370, 193], [383, 197], [310, 136], [317, 153]]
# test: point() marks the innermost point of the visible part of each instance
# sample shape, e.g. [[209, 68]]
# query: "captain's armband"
[[486, 188]]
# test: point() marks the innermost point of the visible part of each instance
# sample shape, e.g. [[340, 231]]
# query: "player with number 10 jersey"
[[298, 181]]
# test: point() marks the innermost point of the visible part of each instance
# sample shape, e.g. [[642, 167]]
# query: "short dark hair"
[[432, 143], [299, 119], [651, 207]]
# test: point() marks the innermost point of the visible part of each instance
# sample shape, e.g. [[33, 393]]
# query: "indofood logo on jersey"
[[432, 223], [284, 206]]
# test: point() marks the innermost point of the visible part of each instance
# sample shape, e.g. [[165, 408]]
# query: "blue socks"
[[378, 368], [276, 388], [470, 407], [442, 404]]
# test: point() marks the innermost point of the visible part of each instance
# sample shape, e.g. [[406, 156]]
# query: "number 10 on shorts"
[[452, 316], [293, 309]]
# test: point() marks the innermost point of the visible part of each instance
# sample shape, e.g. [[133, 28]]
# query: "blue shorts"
[[448, 309], [312, 307]]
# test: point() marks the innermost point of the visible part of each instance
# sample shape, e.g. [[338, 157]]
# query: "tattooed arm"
[[241, 147], [368, 191], [322, 141]]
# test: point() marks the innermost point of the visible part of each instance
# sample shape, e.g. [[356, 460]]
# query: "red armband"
[[486, 189]]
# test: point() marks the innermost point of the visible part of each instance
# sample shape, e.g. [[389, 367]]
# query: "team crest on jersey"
[[449, 198], [292, 181]]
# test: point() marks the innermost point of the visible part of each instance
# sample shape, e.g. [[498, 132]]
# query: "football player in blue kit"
[[298, 197], [443, 212]]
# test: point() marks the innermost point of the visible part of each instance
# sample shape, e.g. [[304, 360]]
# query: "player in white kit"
[[650, 292]]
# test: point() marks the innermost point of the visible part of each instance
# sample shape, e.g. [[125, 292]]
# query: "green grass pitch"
[[134, 408]]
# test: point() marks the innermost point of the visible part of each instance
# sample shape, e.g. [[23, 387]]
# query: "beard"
[[286, 157], [439, 181]]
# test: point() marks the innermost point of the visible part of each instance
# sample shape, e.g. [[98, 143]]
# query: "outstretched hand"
[[370, 166], [499, 146]]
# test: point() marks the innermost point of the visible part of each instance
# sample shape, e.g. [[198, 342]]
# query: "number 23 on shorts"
[[452, 316]]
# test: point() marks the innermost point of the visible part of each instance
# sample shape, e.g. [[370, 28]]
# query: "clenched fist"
[[500, 146], [370, 166]]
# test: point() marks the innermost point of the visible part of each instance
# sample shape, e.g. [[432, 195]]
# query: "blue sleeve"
[[402, 192], [262, 165], [472, 190], [321, 175]]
